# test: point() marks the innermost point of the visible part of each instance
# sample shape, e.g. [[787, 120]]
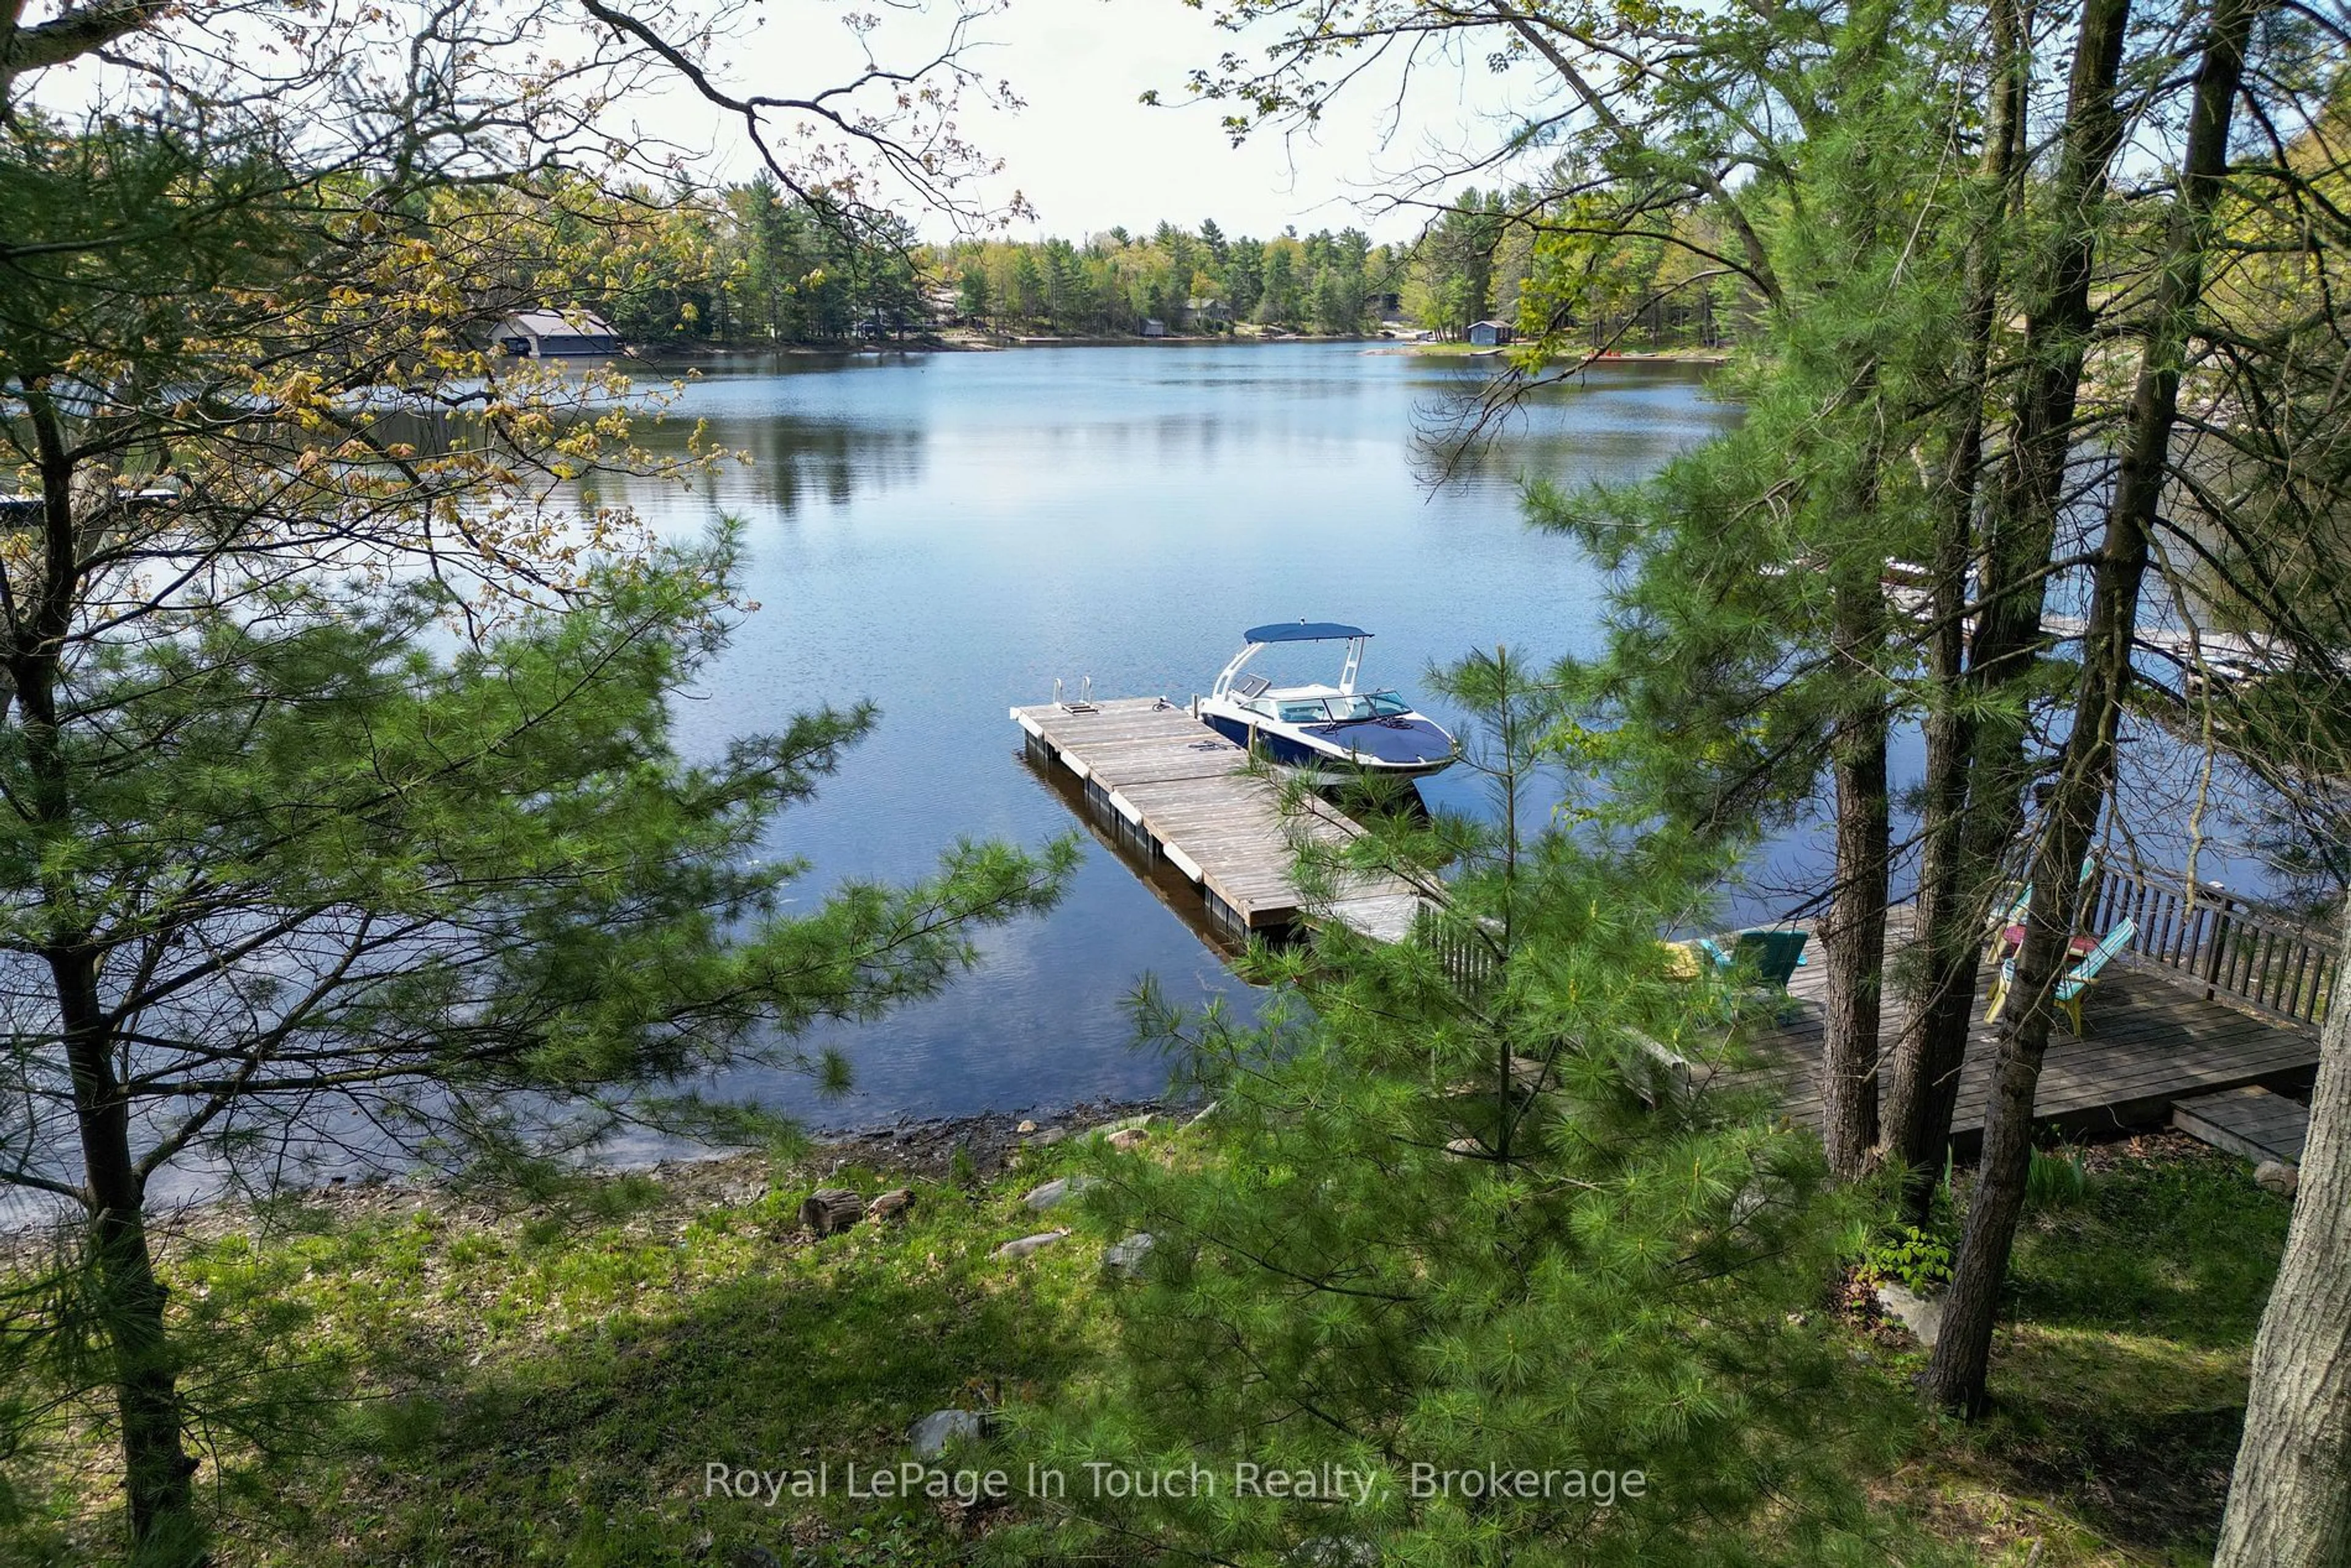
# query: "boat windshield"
[[1374, 704], [1342, 709]]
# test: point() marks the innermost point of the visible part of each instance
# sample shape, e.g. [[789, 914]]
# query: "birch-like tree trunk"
[[2290, 1500]]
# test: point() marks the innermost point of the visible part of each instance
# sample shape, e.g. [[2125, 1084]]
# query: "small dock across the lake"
[[1174, 791]]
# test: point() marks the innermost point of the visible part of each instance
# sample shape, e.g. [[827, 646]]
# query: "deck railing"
[[2252, 954], [1468, 963]]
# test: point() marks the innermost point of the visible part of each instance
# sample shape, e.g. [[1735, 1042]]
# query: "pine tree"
[[345, 818], [972, 296], [1452, 1214]]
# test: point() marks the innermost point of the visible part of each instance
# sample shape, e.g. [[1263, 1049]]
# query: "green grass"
[[548, 1387], [2119, 1374]]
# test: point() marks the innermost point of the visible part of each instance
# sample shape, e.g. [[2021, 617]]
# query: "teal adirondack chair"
[[2077, 980], [2014, 912], [1772, 954]]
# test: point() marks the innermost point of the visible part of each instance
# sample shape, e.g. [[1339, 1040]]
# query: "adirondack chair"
[[2006, 918], [1772, 954], [2077, 980]]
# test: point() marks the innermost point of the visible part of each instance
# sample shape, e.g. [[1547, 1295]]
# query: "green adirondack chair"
[[1773, 956], [2013, 912]]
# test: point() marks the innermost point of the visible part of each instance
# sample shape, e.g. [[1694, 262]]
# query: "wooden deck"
[[1177, 792], [2153, 1041], [2253, 1123], [1178, 796]]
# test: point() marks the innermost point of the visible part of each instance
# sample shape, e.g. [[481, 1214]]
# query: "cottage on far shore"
[[1489, 334], [557, 334]]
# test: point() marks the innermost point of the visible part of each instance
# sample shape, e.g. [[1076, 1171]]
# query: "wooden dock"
[[2226, 656], [1175, 796], [2154, 1041], [1174, 791]]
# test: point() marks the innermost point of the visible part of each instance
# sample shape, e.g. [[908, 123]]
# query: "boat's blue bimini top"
[[1304, 632]]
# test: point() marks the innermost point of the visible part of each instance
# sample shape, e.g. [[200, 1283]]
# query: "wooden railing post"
[[2210, 937], [2219, 943]]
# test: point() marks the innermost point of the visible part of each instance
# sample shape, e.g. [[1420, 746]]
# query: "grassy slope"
[[2119, 1374], [548, 1387]]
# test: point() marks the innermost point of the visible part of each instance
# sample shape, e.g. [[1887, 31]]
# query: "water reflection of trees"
[[795, 462], [1474, 427]]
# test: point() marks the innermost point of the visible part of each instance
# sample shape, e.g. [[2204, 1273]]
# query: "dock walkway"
[[2252, 1122], [1181, 793], [1174, 793]]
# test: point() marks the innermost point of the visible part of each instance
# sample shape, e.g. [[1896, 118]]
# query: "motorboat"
[[1323, 725]]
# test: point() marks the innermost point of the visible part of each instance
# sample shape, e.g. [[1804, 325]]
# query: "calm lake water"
[[946, 534]]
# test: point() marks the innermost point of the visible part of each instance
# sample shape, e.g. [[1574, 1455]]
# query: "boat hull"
[[1407, 749]]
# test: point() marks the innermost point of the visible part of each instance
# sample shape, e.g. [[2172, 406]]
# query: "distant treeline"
[[1186, 280], [752, 264]]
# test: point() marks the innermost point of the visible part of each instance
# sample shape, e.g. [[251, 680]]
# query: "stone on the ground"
[[894, 1202], [1027, 1244], [1131, 1138], [1049, 1136], [1205, 1112], [934, 1432], [2277, 1176], [1921, 1315], [1126, 1258], [1053, 1192], [1026, 1126]]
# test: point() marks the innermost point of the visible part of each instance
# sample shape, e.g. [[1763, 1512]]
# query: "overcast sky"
[[1083, 150], [1088, 155]]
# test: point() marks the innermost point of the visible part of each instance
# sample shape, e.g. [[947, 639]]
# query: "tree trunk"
[[1955, 1376], [2004, 648], [828, 1209], [2021, 531], [1922, 1082], [1854, 933], [1963, 1351], [157, 1471], [2290, 1500], [1852, 930]]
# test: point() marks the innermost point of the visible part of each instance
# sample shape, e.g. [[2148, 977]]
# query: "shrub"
[[2056, 1180], [1918, 1260]]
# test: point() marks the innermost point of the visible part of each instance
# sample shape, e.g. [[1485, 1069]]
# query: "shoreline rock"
[[924, 1146]]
